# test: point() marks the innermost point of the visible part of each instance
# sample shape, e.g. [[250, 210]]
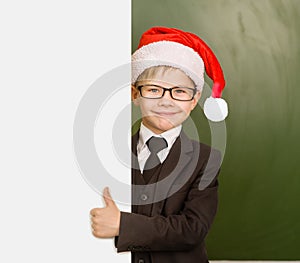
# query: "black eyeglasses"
[[152, 91]]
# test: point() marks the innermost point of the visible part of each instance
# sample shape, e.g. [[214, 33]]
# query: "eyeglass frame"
[[139, 87]]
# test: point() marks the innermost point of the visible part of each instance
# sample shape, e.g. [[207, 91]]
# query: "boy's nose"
[[167, 95], [166, 99]]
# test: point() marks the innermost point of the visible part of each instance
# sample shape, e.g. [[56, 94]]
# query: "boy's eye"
[[153, 89], [180, 91]]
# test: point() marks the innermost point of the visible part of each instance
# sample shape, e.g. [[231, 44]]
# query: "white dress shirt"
[[145, 134]]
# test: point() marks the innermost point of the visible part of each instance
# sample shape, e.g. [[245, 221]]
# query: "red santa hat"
[[161, 46]]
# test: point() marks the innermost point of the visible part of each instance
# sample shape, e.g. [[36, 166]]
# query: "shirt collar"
[[169, 135]]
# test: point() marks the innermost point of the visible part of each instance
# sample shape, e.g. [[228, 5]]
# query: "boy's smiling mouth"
[[164, 113]]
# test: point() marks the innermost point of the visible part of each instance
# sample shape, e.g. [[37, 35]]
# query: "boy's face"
[[160, 115]]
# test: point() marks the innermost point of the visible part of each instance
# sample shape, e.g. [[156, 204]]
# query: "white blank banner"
[[51, 52]]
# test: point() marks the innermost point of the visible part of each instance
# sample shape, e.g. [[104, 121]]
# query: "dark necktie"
[[155, 145]]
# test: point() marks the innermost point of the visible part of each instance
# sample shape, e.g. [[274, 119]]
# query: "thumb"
[[107, 197]]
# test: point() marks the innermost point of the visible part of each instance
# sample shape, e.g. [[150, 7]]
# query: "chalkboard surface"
[[258, 45]]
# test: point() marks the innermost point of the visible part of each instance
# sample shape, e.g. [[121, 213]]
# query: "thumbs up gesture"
[[106, 221]]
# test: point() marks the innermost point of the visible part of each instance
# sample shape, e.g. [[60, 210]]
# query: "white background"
[[51, 52]]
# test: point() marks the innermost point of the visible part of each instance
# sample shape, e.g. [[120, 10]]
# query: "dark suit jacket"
[[173, 228]]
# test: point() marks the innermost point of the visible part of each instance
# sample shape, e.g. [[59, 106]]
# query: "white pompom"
[[215, 109]]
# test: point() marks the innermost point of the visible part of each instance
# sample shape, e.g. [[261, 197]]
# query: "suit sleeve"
[[178, 232]]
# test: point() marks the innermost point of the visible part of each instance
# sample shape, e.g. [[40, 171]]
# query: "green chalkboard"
[[258, 44]]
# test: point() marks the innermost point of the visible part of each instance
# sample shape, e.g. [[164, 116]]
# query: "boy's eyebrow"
[[172, 85]]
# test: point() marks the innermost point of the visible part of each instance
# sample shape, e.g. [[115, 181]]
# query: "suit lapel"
[[136, 177]]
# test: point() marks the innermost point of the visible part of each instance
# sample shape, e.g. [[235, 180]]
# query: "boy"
[[171, 210]]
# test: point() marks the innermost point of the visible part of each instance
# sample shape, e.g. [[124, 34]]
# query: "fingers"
[[95, 225], [95, 230], [100, 228], [96, 212]]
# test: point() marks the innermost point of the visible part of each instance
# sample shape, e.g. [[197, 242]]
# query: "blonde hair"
[[150, 73]]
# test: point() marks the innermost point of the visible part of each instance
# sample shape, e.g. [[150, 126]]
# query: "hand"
[[106, 221]]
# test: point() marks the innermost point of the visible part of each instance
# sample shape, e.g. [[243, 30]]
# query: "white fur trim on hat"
[[168, 53], [215, 109]]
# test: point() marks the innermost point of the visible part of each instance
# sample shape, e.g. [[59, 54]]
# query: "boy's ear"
[[134, 95], [196, 99]]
